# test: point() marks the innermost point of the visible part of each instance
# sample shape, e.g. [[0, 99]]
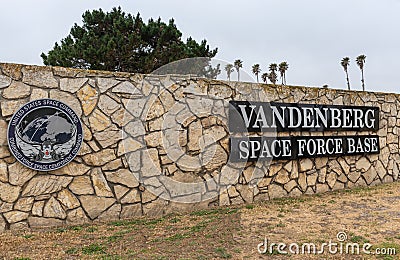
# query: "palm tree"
[[238, 64], [283, 67], [264, 77], [229, 69], [273, 67], [345, 64], [360, 62], [272, 77], [256, 70]]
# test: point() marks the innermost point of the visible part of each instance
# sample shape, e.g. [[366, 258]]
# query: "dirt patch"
[[365, 215]]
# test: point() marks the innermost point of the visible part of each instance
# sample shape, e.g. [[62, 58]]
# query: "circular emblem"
[[44, 134]]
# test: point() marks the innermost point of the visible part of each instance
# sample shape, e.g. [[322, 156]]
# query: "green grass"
[[128, 223], [283, 210], [76, 228], [249, 206], [93, 249], [177, 237], [385, 257], [156, 240], [91, 229], [138, 222], [28, 236], [199, 227], [72, 251], [359, 239], [274, 252], [174, 220], [357, 190], [111, 257], [61, 230], [118, 235], [161, 258], [221, 252], [205, 212], [280, 224], [153, 221], [113, 238]]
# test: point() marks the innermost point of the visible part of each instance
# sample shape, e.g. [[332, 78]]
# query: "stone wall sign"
[[44, 134], [161, 144]]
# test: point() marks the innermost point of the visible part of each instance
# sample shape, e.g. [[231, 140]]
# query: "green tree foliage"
[[116, 41], [264, 77], [272, 76]]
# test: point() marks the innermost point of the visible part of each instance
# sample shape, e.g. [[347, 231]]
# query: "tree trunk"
[[362, 79], [347, 78]]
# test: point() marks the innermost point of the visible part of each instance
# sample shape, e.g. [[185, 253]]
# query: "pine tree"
[[117, 41]]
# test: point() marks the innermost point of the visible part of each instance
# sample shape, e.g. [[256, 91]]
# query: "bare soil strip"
[[365, 215]]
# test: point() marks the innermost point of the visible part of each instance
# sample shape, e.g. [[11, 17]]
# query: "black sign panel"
[[271, 148], [245, 116]]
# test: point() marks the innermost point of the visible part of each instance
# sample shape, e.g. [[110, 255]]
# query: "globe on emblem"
[[47, 138]]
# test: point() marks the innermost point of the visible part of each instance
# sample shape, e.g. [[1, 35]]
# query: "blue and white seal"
[[45, 134]]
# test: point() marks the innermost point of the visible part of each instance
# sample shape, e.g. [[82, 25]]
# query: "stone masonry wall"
[[160, 144]]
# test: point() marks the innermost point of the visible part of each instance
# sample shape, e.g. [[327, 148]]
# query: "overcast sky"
[[311, 35]]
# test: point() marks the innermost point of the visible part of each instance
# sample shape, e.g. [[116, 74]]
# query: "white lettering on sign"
[[262, 148], [258, 116]]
